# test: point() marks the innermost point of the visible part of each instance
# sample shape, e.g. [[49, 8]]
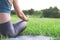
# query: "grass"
[[41, 26]]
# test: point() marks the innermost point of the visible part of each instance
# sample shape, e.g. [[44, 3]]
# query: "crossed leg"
[[15, 29]]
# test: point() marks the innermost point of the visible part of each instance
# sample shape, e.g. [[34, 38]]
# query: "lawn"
[[40, 26]]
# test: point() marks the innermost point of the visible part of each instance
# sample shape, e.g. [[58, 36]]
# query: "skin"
[[5, 17]]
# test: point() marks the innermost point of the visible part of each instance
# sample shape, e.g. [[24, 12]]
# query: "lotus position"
[[6, 27]]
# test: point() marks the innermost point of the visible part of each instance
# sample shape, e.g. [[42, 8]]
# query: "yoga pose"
[[6, 27]]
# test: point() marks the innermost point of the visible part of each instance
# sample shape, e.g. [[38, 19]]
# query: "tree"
[[25, 12], [13, 12], [51, 12], [31, 11]]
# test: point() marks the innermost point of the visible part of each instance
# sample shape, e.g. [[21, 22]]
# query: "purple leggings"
[[12, 29]]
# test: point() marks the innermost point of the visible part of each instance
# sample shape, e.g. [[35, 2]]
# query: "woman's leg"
[[16, 28], [19, 26]]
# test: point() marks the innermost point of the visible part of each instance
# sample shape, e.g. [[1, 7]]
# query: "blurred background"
[[44, 17]]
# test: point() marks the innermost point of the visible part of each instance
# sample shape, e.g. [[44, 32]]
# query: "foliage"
[[13, 12], [31, 11], [25, 12], [52, 12]]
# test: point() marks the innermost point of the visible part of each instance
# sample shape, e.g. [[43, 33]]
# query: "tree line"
[[51, 12]]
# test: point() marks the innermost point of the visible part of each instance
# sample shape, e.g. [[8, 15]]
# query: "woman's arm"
[[19, 12]]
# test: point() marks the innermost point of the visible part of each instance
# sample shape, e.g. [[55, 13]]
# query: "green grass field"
[[41, 26]]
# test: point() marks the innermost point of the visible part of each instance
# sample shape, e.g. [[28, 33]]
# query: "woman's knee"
[[23, 24]]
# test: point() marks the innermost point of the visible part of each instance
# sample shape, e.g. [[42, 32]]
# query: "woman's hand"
[[26, 18]]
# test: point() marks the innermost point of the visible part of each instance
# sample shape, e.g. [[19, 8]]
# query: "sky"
[[38, 4]]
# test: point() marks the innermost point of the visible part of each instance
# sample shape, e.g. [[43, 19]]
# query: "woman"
[[6, 27]]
